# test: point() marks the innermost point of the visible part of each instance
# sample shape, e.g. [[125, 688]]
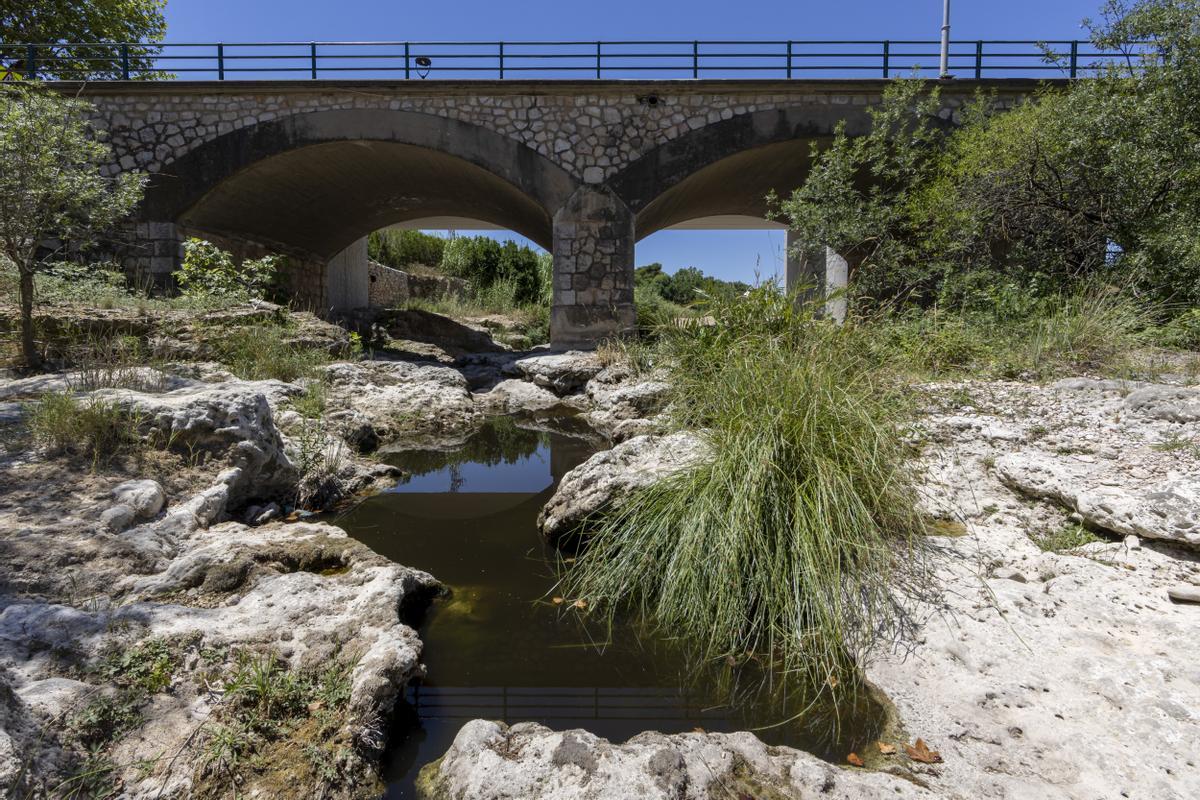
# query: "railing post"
[[220, 62], [312, 59], [597, 60], [978, 60], [887, 58], [124, 62], [31, 62], [789, 58], [695, 59], [501, 44], [1074, 57], [407, 73]]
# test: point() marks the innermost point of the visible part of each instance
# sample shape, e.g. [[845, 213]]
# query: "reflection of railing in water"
[[516, 704]]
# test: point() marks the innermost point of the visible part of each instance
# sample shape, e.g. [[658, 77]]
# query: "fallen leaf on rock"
[[886, 749], [919, 751], [854, 759]]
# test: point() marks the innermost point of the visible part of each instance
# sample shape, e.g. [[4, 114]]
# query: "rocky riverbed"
[[1059, 660]]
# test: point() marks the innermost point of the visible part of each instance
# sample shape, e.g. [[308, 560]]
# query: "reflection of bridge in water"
[[568, 706]]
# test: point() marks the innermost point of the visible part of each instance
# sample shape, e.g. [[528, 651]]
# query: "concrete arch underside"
[[316, 182]]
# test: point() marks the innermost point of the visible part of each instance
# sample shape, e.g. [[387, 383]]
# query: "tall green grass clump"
[[86, 427], [784, 543]]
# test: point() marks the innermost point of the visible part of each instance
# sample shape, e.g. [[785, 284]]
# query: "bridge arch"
[[318, 181], [728, 167]]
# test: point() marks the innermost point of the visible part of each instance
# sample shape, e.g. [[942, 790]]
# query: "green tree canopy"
[[51, 187], [62, 21]]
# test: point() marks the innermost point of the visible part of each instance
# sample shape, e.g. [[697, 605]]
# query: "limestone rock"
[[1168, 403], [1167, 510], [145, 497], [532, 762], [380, 401], [117, 518], [1184, 594], [562, 373], [521, 397], [234, 418], [609, 475]]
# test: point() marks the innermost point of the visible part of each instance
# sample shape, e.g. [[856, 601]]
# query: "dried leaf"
[[315, 706], [580, 604], [558, 601], [920, 751], [832, 681], [886, 749], [854, 759], [698, 729]]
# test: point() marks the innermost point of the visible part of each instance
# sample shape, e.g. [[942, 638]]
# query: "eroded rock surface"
[[609, 475], [529, 761]]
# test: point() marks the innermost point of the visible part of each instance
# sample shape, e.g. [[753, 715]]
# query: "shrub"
[[783, 544], [209, 271]]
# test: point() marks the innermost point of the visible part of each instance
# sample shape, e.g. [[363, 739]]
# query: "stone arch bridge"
[[584, 169]]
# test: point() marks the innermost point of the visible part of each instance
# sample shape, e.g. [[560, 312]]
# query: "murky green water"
[[496, 647]]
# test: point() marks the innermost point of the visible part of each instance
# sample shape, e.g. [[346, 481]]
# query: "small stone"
[[145, 497], [1184, 594], [270, 512], [1132, 542], [1010, 574], [117, 518]]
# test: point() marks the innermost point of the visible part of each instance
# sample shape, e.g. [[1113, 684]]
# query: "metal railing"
[[541, 60]]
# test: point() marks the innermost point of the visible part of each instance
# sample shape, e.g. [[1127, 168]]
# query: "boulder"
[[232, 418], [1166, 403], [521, 397], [1167, 510], [561, 373], [381, 401], [609, 475], [532, 762]]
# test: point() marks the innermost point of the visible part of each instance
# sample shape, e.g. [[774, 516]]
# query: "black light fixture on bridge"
[[424, 63]]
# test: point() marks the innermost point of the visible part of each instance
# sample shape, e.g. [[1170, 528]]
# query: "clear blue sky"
[[727, 254]]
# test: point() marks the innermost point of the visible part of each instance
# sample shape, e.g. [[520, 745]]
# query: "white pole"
[[945, 69]]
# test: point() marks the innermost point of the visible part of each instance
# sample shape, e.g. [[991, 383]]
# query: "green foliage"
[[485, 262], [1182, 331], [783, 542], [1098, 180], [686, 287], [267, 351], [1015, 333], [50, 185], [209, 271], [654, 313], [88, 428], [399, 249], [146, 667], [50, 21], [106, 718]]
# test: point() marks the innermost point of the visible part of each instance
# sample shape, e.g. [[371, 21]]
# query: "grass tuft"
[[85, 427], [784, 544]]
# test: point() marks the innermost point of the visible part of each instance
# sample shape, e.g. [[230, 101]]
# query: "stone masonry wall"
[[591, 135]]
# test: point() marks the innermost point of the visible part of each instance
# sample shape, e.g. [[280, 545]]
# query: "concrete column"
[[347, 285], [814, 272], [593, 270]]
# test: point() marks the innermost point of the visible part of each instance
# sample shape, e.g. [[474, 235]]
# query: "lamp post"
[[944, 71]]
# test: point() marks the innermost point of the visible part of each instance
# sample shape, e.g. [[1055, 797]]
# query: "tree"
[[89, 21], [51, 186]]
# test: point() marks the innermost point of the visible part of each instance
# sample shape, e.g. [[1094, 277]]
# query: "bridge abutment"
[[593, 269]]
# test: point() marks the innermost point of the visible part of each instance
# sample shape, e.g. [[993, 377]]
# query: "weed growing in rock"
[[1068, 537], [268, 351], [267, 709]]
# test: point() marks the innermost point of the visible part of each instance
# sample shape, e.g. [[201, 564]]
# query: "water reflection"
[[495, 647]]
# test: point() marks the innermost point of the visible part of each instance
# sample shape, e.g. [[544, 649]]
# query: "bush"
[[783, 544], [485, 262], [209, 271]]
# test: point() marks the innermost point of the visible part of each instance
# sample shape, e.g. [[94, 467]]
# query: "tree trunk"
[[28, 346]]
